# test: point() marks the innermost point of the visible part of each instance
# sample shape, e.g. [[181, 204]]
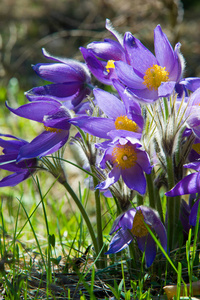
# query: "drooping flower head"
[[133, 224], [128, 160], [11, 146], [70, 80], [54, 117]]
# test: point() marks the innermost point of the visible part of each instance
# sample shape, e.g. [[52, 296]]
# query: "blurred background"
[[63, 26]]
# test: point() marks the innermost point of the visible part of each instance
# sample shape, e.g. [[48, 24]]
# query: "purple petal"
[[94, 126], [163, 50], [120, 241], [35, 110], [44, 144], [134, 178], [58, 119], [96, 67], [193, 165], [14, 179], [188, 185], [60, 91], [145, 95], [139, 56], [78, 67], [107, 50], [143, 161], [124, 133], [128, 77], [131, 104], [57, 73], [109, 104], [113, 177], [191, 83], [166, 88], [147, 244], [177, 71], [11, 146], [124, 221]]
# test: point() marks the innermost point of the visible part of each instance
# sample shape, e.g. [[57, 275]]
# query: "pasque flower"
[[147, 76], [133, 224], [54, 117], [11, 146], [70, 80], [123, 118], [128, 160]]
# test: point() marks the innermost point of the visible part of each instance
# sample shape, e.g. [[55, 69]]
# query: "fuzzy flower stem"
[[83, 213]]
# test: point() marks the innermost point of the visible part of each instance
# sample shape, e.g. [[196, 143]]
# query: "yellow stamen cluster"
[[110, 65], [196, 147], [154, 76], [52, 129], [1, 151], [124, 156], [124, 123], [139, 229]]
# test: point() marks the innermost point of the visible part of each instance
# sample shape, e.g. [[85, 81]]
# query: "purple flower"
[[100, 56], [127, 160], [20, 171], [147, 76], [123, 118], [190, 184], [70, 81], [131, 224], [54, 117]]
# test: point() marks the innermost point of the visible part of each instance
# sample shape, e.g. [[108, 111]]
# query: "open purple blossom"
[[70, 80], [100, 56], [10, 151], [128, 160], [147, 76], [122, 118], [54, 117], [133, 224], [190, 184]]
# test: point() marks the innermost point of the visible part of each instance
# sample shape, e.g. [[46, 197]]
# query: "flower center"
[[196, 147], [1, 151], [51, 129], [139, 229], [154, 76], [124, 156], [124, 123], [110, 65]]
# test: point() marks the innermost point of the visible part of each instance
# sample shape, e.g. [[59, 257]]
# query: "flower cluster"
[[145, 130]]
